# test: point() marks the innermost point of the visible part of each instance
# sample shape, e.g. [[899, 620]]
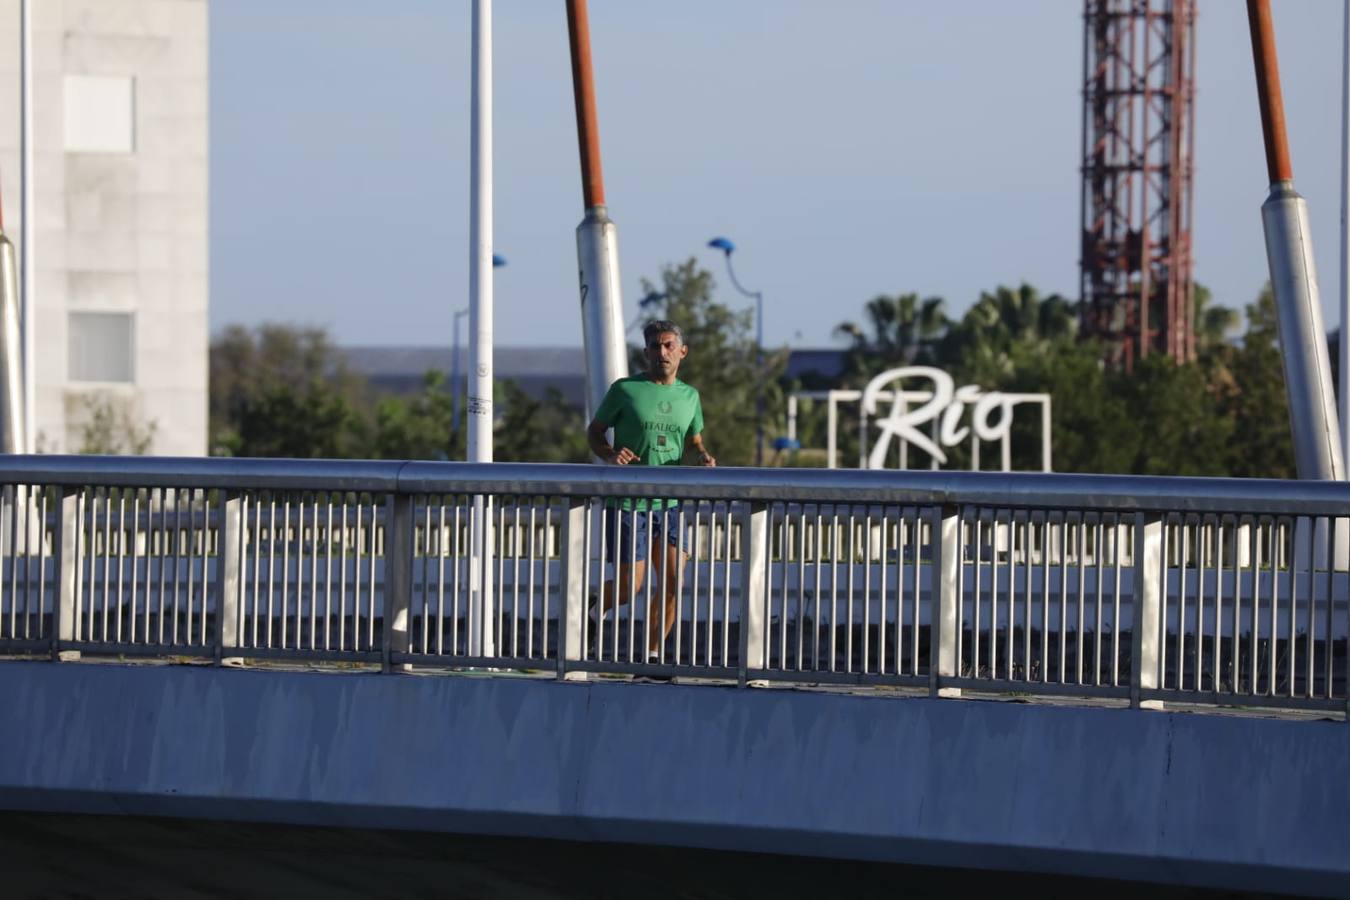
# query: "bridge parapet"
[[1207, 591]]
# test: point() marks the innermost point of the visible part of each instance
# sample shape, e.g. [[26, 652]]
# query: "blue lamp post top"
[[723, 244]]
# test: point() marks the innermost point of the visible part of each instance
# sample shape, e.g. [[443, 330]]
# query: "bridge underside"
[[1222, 801]]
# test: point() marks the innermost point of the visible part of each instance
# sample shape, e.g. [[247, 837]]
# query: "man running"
[[655, 416]]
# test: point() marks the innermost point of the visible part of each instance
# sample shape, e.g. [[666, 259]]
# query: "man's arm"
[[704, 457], [595, 438]]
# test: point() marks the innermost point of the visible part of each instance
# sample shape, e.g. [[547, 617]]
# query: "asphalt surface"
[[69, 856]]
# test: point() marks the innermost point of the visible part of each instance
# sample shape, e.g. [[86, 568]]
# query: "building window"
[[100, 114], [102, 347]]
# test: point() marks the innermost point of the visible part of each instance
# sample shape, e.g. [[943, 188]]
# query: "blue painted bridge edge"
[[1208, 800]]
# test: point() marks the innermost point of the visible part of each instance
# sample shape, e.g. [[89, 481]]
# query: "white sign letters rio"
[[945, 403]]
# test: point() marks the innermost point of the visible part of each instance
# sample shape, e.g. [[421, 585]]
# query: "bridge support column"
[[1146, 634], [66, 609], [398, 580], [754, 591], [946, 601], [575, 550], [227, 580]]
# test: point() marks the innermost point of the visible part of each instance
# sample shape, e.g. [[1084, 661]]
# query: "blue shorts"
[[629, 534]]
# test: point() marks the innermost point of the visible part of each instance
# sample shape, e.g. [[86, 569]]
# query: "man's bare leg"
[[628, 575], [665, 571]]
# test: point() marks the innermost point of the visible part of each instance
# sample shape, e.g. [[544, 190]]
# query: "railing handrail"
[[1004, 490]]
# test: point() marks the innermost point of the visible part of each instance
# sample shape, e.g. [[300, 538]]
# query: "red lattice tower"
[[1138, 138]]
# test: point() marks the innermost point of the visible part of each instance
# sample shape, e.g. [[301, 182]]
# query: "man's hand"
[[706, 459], [622, 457]]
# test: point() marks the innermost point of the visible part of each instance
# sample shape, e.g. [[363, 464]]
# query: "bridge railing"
[[1212, 591]]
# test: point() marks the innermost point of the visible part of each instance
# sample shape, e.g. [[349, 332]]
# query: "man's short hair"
[[659, 327]]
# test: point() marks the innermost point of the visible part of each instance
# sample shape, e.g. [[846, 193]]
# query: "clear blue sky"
[[850, 149]]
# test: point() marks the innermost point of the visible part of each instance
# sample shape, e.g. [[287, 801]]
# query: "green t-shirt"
[[652, 420]]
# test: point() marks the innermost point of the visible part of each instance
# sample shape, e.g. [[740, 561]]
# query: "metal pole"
[[11, 371], [759, 376], [480, 324], [1345, 238], [1293, 275], [27, 210], [456, 388], [597, 237]]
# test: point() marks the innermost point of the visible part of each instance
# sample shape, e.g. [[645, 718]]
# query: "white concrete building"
[[120, 123]]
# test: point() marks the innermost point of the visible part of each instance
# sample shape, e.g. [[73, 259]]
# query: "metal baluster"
[[1311, 688], [726, 592], [1292, 531], [848, 599], [442, 553], [455, 586], [328, 573], [1272, 656], [1328, 632], [680, 557], [1063, 598], [529, 593], [784, 542], [502, 537], [1201, 529], [358, 549], [313, 574], [962, 520], [1010, 566], [598, 603], [820, 563], [135, 562], [9, 496], [976, 619], [835, 542], [1028, 597], [923, 536], [285, 571], [867, 586], [1237, 605], [1216, 649], [1082, 595], [548, 550], [192, 565], [42, 566], [1256, 599], [107, 561], [1044, 593]]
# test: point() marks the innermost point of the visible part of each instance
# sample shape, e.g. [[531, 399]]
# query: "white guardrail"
[[1207, 591]]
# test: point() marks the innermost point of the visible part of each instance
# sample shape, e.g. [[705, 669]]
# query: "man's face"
[[664, 352]]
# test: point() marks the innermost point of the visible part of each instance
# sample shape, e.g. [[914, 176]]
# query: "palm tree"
[[1005, 319], [904, 329], [1213, 324]]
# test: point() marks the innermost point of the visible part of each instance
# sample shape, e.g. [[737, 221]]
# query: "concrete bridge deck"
[[1219, 801]]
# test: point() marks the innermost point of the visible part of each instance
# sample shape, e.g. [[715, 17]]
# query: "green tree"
[[1179, 426], [530, 430], [721, 363], [418, 427], [1255, 398], [281, 390]]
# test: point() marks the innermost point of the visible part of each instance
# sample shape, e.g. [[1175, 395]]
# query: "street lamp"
[[727, 248], [455, 390]]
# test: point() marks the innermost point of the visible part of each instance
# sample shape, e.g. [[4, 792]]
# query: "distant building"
[[400, 370], [120, 122]]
